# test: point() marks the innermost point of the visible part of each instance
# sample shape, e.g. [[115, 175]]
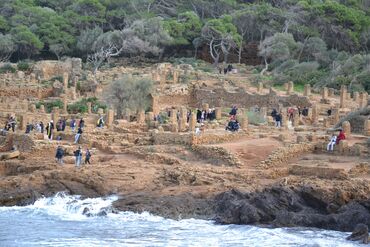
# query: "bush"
[[7, 68], [81, 106], [57, 78], [50, 105], [23, 66], [77, 107], [255, 118]]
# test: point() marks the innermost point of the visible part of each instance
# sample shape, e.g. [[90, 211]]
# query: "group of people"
[[233, 124], [10, 124], [335, 139], [60, 153], [277, 116], [203, 115], [225, 70]]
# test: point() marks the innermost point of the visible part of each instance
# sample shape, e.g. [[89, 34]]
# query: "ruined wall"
[[26, 92], [173, 100], [222, 98], [48, 69]]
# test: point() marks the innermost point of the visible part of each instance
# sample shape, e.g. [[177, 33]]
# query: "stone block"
[[307, 90], [346, 126], [343, 146]]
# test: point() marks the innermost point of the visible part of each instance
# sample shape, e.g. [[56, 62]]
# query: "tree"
[[87, 38], [221, 36], [26, 41], [7, 48], [278, 48], [129, 93]]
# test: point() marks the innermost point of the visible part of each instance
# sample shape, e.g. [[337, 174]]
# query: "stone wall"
[[48, 69], [26, 92], [218, 154], [222, 98]]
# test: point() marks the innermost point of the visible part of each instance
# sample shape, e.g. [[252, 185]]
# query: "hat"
[[51, 121]]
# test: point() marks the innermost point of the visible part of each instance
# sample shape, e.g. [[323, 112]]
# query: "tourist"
[[78, 135], [78, 155], [299, 111], [291, 114], [38, 127], [305, 111], [233, 125], [12, 123], [199, 115], [332, 142], [203, 116], [73, 124], [329, 112], [341, 136], [59, 125], [278, 120], [64, 123], [28, 128], [233, 112], [41, 127], [81, 124], [87, 156], [100, 122], [59, 155], [50, 129], [274, 113]]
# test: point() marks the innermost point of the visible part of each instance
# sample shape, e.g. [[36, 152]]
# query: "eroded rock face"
[[282, 206]]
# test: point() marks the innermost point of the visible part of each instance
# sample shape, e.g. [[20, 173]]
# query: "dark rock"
[[360, 233]]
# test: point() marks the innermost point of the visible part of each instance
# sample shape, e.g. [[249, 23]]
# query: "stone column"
[[173, 116], [346, 126], [307, 90], [55, 114], [326, 122], [295, 119], [315, 114], [367, 128], [155, 106], [163, 77], [89, 107], [110, 118], [23, 120], [39, 94], [290, 88], [65, 105], [324, 93], [65, 81], [343, 95], [100, 111], [348, 96], [192, 121], [260, 87], [141, 117], [331, 92], [356, 96], [218, 113], [33, 108], [42, 108], [363, 99], [335, 113], [284, 119], [244, 122], [176, 76]]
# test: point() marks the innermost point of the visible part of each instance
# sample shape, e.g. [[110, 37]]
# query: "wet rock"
[[360, 233]]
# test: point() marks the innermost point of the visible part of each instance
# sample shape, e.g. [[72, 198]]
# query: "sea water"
[[65, 220]]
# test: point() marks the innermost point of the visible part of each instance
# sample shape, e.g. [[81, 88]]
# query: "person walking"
[[59, 155], [73, 124], [78, 156], [41, 127], [50, 129], [278, 120], [87, 156], [78, 135], [81, 124], [100, 122]]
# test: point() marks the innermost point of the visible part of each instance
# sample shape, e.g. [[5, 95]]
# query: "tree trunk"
[[266, 67], [240, 53]]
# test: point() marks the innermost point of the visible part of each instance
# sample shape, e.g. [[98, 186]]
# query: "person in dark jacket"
[[59, 155], [278, 120], [50, 129], [78, 135], [87, 156], [78, 155]]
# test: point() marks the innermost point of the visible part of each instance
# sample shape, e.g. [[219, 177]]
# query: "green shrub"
[[7, 68], [57, 78], [81, 105], [23, 66], [49, 105], [77, 107], [255, 118]]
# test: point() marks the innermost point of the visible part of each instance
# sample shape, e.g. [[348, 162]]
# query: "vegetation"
[[319, 42], [49, 105], [81, 105], [129, 93]]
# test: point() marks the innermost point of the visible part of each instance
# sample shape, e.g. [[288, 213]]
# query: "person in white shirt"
[[333, 141]]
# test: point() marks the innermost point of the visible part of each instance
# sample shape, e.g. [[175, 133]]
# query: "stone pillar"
[[155, 106], [346, 126], [315, 114], [244, 122], [295, 119], [290, 88], [218, 113], [356, 96], [363, 99], [65, 81], [343, 95], [331, 92], [110, 118], [176, 76], [205, 107], [284, 119], [89, 107], [192, 121], [326, 122], [65, 105], [55, 114], [263, 111], [141, 117], [173, 116], [335, 113], [42, 108], [307, 90], [348, 96], [100, 111], [23, 120], [33, 108], [367, 128], [39, 95], [260, 87], [163, 77], [324, 93]]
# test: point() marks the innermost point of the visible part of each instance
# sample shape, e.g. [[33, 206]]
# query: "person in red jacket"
[[341, 136]]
